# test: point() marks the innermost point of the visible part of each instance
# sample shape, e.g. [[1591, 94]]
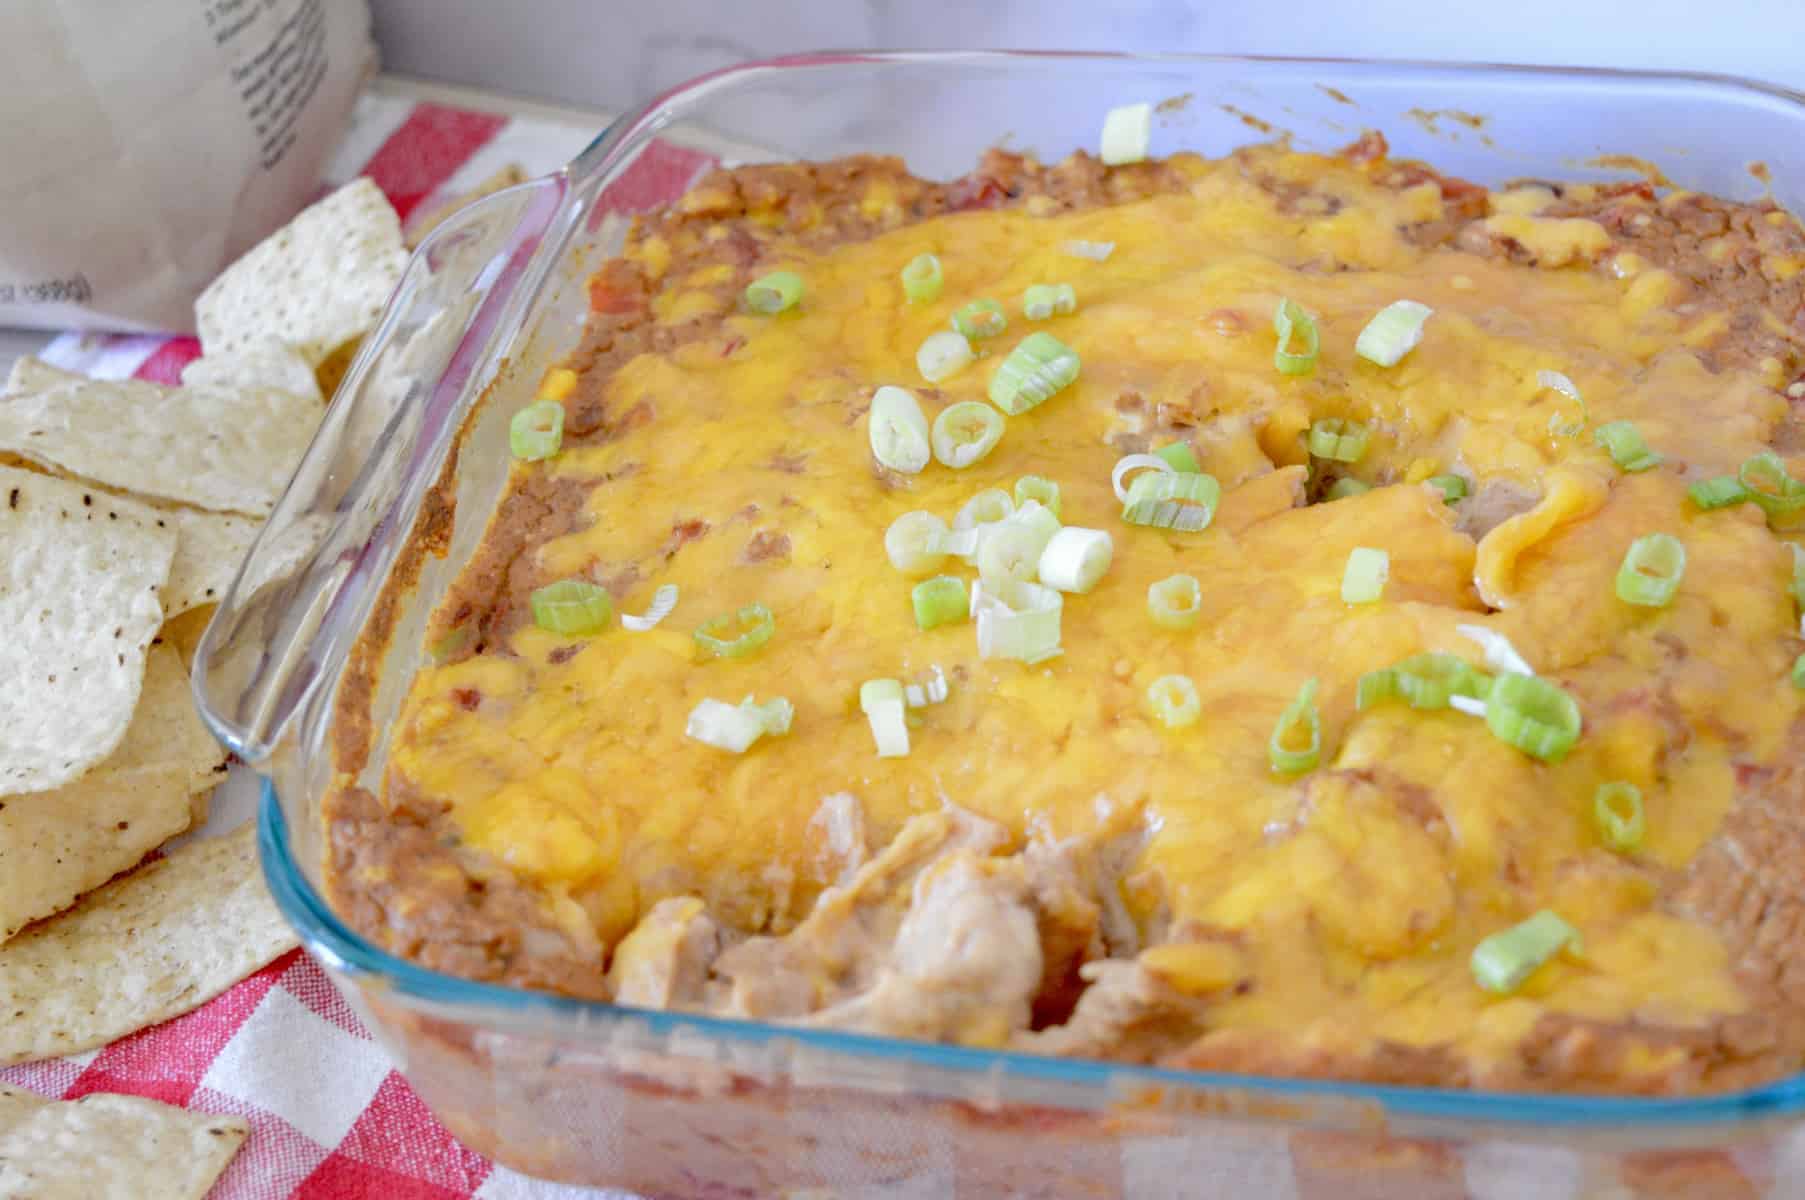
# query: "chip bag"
[[148, 143]]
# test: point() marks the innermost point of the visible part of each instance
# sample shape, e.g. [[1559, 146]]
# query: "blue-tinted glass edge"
[[343, 950]]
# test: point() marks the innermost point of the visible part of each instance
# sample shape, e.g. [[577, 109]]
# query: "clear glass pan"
[[671, 1104]]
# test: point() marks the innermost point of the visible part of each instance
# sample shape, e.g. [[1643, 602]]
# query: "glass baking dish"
[[672, 1104]]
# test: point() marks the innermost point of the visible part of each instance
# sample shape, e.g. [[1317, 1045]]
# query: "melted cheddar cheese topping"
[[1359, 889]]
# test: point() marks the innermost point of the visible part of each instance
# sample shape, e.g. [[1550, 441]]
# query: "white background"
[[619, 53]]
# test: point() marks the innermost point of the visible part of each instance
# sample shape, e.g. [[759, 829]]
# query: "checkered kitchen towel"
[[330, 1117]]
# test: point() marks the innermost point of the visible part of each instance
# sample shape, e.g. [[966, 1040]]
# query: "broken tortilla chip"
[[52, 851], [109, 1145], [30, 374], [184, 633], [208, 550], [331, 373], [227, 449], [167, 728], [319, 282], [265, 364], [56, 845], [152, 945], [78, 604]]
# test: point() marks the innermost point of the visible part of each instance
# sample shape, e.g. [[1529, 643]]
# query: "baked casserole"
[[1296, 614]]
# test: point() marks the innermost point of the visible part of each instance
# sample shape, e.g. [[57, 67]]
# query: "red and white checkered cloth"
[[330, 1118]]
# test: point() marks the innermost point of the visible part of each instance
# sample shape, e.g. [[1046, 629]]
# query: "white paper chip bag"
[[148, 143]]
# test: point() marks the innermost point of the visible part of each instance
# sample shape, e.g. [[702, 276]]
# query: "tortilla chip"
[[200, 804], [183, 633], [319, 282], [35, 375], [78, 608], [160, 942], [265, 364], [167, 729], [53, 847], [109, 1145], [208, 550], [225, 449], [331, 373], [56, 845]]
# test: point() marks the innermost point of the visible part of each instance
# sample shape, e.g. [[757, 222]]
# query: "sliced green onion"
[[1468, 705], [1363, 579], [916, 543], [1627, 449], [1016, 557], [1721, 492], [980, 319], [1617, 811], [1798, 574], [729, 727], [922, 279], [1038, 367], [1503, 962], [1341, 489], [986, 508], [774, 293], [1555, 381], [940, 601], [963, 543], [1038, 519], [1290, 320], [1394, 331], [932, 690], [1127, 132], [536, 431], [882, 702], [664, 601], [1034, 487], [874, 692], [572, 606], [1009, 553], [1300, 718], [1651, 571], [1183, 503], [1175, 602], [943, 355], [1453, 488], [1043, 300], [1174, 701], [1500, 655], [775, 715], [1130, 463], [1181, 458], [1019, 621], [1798, 672], [1075, 559], [1338, 440], [964, 433], [899, 431], [1533, 715], [1424, 681], [736, 634], [1095, 251], [1770, 484]]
